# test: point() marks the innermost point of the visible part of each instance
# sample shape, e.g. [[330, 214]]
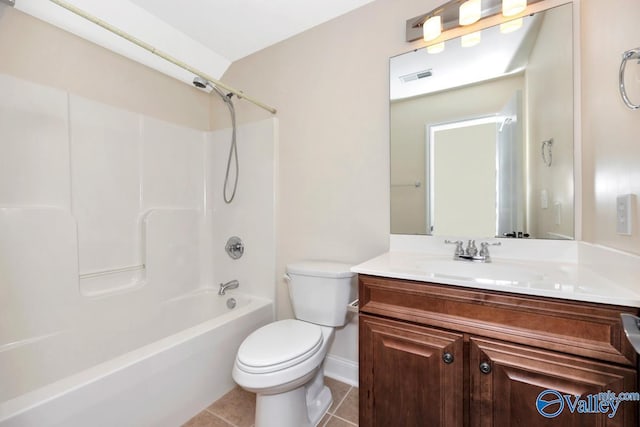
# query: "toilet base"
[[320, 406], [301, 407]]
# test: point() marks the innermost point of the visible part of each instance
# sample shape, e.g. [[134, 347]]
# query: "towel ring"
[[630, 54], [546, 148]]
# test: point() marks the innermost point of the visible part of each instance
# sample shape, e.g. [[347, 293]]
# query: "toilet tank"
[[321, 290]]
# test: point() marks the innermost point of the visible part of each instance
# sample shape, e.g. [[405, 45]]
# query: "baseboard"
[[341, 369]]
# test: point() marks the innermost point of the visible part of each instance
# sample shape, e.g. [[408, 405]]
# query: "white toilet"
[[282, 361]]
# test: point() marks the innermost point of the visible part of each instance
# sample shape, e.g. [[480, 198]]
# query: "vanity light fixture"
[[470, 12], [511, 26], [513, 7], [432, 28], [457, 13], [435, 48], [469, 40]]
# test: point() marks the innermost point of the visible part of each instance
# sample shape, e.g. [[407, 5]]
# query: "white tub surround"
[[112, 235], [169, 359], [558, 269]]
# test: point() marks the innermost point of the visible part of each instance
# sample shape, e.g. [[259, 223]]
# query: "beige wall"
[[610, 141], [549, 92], [407, 127], [330, 85], [36, 51]]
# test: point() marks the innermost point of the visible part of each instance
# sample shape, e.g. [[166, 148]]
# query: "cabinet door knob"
[[485, 368], [447, 358]]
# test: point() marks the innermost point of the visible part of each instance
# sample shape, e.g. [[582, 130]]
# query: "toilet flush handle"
[[287, 277]]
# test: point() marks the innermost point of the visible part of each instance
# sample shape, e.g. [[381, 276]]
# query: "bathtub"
[[135, 366]]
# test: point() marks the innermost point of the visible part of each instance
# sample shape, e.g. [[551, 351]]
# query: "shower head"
[[201, 83]]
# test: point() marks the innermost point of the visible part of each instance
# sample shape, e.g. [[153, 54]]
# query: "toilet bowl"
[[282, 361]]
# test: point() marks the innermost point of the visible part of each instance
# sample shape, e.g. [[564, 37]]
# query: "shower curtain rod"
[[166, 57]]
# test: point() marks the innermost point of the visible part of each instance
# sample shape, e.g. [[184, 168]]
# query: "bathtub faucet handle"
[[233, 284]]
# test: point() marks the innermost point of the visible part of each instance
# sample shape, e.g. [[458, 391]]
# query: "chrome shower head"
[[201, 83]]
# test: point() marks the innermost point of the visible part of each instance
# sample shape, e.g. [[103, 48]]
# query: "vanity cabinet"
[[414, 374], [439, 355]]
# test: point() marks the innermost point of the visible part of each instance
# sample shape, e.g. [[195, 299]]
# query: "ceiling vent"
[[416, 76]]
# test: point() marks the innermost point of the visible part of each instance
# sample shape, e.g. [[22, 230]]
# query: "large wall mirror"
[[481, 132]]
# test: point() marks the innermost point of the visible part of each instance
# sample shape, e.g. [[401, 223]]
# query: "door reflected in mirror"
[[471, 129]]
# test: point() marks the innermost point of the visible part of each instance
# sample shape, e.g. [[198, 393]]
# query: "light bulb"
[[513, 7], [435, 48], [511, 26], [432, 28], [469, 40], [470, 12]]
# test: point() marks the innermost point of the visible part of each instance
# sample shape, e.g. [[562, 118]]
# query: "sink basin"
[[480, 271], [563, 278]]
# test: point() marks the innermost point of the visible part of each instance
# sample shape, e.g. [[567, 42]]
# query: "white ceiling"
[[206, 34], [237, 28]]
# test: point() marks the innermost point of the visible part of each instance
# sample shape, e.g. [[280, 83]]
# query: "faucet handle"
[[484, 247], [459, 248]]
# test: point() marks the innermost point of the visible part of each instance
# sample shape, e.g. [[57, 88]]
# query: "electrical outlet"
[[624, 205]]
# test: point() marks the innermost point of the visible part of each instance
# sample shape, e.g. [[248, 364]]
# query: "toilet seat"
[[278, 346]]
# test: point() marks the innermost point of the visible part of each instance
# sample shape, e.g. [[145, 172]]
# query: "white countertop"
[[573, 279]]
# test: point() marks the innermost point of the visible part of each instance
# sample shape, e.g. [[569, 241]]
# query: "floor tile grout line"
[[346, 421], [328, 413], [222, 418], [341, 401], [354, 390], [335, 412]]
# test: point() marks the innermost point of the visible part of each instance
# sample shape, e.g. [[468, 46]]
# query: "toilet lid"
[[279, 345]]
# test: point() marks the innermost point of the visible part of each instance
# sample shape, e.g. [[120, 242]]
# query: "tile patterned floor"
[[237, 409]]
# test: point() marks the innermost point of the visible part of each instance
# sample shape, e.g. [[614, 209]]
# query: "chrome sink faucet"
[[233, 284], [471, 252], [471, 249]]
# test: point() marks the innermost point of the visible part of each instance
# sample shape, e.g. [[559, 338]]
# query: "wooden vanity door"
[[505, 393], [409, 375]]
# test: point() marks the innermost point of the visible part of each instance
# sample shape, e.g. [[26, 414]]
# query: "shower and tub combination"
[[112, 249], [112, 232], [156, 366]]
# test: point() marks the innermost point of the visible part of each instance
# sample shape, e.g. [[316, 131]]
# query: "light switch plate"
[[624, 209], [557, 212]]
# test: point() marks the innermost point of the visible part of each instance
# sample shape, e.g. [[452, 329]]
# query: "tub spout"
[[233, 284]]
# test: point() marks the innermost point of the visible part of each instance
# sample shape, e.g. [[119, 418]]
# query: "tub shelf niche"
[[106, 282], [113, 273], [168, 241]]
